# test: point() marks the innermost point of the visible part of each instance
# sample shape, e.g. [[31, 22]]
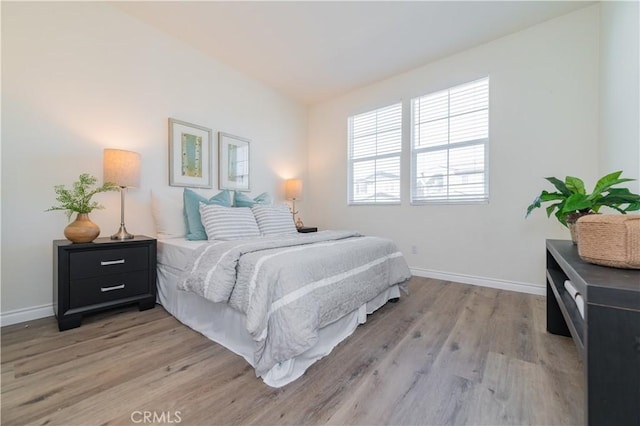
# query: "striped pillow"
[[195, 230], [274, 219], [226, 223]]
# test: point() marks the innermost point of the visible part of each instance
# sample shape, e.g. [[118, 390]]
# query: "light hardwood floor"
[[447, 354]]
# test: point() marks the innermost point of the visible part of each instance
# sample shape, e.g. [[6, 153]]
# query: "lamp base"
[[122, 234]]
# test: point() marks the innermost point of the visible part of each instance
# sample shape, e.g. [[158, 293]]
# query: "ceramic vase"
[[82, 230]]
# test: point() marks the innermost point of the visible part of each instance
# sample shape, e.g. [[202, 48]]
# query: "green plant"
[[78, 199], [572, 201]]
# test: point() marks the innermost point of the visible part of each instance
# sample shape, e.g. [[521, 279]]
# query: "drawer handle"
[[111, 262], [115, 287]]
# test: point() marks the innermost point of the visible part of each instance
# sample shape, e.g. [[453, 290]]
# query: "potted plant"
[[571, 200], [78, 200]]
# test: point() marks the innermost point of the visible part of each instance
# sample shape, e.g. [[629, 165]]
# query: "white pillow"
[[274, 220], [168, 216], [228, 223]]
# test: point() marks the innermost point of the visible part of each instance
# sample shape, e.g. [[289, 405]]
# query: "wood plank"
[[511, 329], [555, 352], [35, 337], [65, 361], [74, 379], [394, 380], [314, 397], [466, 348], [158, 390], [513, 390], [439, 396], [100, 343]]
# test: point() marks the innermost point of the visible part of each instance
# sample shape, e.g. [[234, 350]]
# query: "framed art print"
[[189, 155], [234, 162]]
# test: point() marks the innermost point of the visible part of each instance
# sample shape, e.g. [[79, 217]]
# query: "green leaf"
[[575, 185], [560, 185], [562, 218], [576, 202], [550, 196], [608, 181], [617, 199], [78, 199], [551, 208], [633, 207], [534, 205], [544, 197], [623, 194]]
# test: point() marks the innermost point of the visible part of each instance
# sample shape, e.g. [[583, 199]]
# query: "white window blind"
[[449, 145], [375, 145]]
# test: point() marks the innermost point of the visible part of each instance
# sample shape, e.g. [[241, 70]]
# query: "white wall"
[[80, 77], [543, 122], [620, 90]]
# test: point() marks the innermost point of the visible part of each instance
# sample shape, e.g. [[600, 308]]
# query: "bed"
[[281, 301]]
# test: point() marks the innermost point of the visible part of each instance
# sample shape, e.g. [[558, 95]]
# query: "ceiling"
[[313, 51]]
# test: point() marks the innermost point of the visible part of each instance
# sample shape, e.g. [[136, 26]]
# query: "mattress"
[[175, 252], [226, 326]]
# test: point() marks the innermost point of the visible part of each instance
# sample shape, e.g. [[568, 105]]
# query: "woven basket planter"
[[610, 240]]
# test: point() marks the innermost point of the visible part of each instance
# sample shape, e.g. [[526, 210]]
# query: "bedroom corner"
[[81, 77]]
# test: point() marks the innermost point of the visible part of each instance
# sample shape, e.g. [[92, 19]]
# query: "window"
[[375, 145], [449, 145]]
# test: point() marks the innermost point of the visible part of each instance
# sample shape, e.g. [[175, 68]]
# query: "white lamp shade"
[[121, 167], [293, 189]]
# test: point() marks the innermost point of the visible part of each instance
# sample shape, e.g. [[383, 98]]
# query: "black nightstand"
[[103, 274], [307, 229]]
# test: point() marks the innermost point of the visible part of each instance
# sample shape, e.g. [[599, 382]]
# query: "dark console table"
[[608, 338]]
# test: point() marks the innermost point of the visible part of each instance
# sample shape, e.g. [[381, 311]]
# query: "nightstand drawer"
[[307, 229], [91, 291], [95, 263]]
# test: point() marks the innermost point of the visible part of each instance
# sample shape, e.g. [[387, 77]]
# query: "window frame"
[[351, 161], [447, 147]]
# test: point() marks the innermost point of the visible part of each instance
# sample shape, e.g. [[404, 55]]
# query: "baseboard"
[[481, 281], [26, 314]]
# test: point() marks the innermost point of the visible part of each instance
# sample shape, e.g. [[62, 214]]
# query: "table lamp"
[[122, 168]]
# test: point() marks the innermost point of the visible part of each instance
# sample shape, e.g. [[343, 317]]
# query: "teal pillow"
[[242, 200], [193, 222]]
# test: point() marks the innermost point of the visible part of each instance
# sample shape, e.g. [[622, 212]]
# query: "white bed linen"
[[176, 252], [226, 326]]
